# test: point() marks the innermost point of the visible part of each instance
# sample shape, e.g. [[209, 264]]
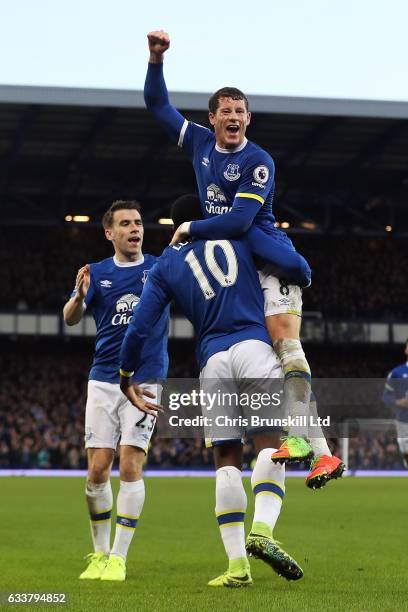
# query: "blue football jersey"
[[236, 186], [222, 174], [114, 293], [396, 388], [215, 284]]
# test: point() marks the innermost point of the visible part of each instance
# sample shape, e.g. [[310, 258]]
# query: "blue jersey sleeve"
[[288, 262], [154, 299], [192, 135], [389, 395], [90, 294], [255, 183], [158, 103]]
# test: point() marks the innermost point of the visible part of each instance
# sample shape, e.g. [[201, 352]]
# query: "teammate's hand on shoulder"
[[182, 233], [159, 42], [83, 280]]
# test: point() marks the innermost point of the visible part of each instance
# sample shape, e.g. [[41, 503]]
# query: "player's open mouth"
[[134, 240], [233, 129]]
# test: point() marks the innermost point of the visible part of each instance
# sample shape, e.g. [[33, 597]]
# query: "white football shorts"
[[251, 359], [109, 416], [402, 436], [279, 296]]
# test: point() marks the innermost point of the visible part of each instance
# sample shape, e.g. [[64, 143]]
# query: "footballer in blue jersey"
[[396, 396], [111, 289], [236, 182], [216, 285]]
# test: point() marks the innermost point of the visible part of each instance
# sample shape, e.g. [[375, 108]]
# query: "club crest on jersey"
[[106, 283], [216, 202], [232, 172], [261, 174], [124, 309]]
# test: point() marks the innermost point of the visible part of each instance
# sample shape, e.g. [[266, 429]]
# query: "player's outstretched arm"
[[251, 192], [232, 224], [153, 302], [74, 308], [155, 90]]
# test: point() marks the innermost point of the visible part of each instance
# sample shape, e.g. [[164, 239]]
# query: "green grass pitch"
[[350, 539]]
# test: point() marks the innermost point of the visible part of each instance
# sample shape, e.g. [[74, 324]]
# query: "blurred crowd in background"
[[353, 277], [43, 396]]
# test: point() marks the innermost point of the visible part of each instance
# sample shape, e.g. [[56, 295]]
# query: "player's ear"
[[211, 118], [108, 234], [248, 118]]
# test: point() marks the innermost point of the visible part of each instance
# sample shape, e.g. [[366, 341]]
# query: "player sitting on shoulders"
[[236, 183]]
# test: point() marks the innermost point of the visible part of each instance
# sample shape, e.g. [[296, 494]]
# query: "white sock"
[[316, 436], [99, 500], [296, 383], [129, 506], [230, 507], [268, 485]]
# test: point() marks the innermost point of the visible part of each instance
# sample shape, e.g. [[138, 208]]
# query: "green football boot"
[[237, 576], [115, 569], [268, 550], [96, 564], [293, 450]]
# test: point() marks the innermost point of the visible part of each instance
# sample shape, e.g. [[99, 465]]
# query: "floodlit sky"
[[320, 48]]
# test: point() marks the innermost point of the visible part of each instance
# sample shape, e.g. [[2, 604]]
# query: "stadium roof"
[[122, 98], [340, 164]]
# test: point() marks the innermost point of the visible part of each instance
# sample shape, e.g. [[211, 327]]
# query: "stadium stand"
[[370, 287], [42, 402], [341, 194]]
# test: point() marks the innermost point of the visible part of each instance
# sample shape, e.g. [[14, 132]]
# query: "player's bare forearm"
[[402, 402], [136, 395], [73, 310]]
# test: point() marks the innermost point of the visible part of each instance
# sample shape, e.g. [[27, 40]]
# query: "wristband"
[[126, 374]]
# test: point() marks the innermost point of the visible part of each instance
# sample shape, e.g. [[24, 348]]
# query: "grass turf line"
[[349, 539]]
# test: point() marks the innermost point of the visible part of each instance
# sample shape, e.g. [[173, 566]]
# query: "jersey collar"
[[127, 264], [236, 150]]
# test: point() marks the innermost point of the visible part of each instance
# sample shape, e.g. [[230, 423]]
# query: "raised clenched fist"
[[159, 42]]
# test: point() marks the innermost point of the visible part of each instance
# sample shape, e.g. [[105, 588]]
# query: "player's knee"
[[98, 471], [131, 464], [283, 326], [228, 454]]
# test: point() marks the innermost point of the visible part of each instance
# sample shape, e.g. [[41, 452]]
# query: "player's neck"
[[220, 147], [122, 259]]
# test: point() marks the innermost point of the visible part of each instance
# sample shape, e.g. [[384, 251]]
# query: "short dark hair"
[[107, 219], [186, 208], [226, 92]]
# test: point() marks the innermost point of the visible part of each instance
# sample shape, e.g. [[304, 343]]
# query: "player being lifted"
[[112, 289], [215, 284], [235, 179]]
